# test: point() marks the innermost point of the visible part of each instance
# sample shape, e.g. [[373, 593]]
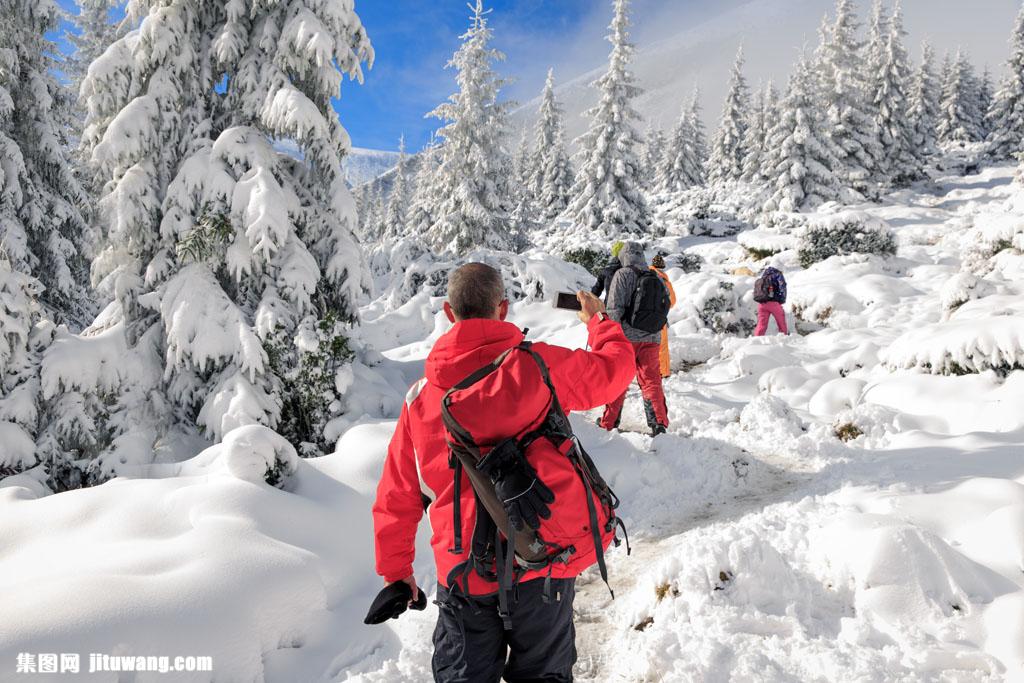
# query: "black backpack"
[[648, 312]]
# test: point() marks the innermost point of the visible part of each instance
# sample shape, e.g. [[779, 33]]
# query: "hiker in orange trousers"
[[658, 266]]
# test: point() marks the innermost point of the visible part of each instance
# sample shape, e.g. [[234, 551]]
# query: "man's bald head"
[[475, 290]]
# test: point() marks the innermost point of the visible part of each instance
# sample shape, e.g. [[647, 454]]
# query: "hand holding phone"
[[586, 304], [568, 301]]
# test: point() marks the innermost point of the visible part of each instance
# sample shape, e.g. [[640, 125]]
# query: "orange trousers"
[[666, 361]]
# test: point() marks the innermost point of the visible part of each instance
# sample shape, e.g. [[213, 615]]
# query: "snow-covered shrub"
[[848, 232], [870, 425], [718, 308], [688, 262], [533, 275], [992, 234], [252, 453], [698, 212], [984, 334], [308, 364], [688, 350], [961, 288], [785, 222], [591, 259], [763, 243], [838, 292]]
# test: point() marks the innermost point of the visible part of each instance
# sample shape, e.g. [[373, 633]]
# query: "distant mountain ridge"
[[363, 165], [360, 165]]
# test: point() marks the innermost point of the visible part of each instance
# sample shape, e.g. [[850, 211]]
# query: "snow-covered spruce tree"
[[233, 267], [523, 215], [52, 432], [700, 138], [986, 98], [396, 216], [800, 155], [755, 143], [727, 147], [425, 200], [878, 38], [41, 226], [523, 168], [19, 369], [890, 80], [844, 94], [655, 153], [377, 214], [361, 195], [923, 112], [607, 195], [473, 179], [523, 221], [95, 32], [552, 173], [682, 166], [1006, 117], [959, 118]]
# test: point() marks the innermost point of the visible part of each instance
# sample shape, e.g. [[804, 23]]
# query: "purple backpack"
[[771, 286]]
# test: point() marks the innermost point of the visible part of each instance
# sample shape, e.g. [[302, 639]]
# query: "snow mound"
[[211, 561], [764, 242], [768, 414], [985, 334], [252, 453]]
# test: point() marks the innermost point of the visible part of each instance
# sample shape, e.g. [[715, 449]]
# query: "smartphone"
[[568, 301]]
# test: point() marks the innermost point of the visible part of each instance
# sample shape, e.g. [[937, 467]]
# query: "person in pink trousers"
[[770, 294]]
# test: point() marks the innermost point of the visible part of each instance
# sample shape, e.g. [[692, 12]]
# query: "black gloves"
[[524, 496], [391, 602]]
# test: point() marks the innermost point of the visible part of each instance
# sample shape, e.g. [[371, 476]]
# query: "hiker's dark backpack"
[[648, 311], [771, 286], [582, 523]]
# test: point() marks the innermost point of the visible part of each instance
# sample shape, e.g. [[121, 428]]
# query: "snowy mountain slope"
[[668, 70], [360, 165], [765, 547], [363, 165]]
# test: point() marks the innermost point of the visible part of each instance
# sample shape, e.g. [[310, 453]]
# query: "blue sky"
[[409, 78], [414, 39]]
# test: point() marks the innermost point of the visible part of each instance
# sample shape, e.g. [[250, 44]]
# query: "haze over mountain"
[[675, 53]]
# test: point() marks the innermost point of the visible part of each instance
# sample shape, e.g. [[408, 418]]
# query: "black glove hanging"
[[392, 602], [524, 496]]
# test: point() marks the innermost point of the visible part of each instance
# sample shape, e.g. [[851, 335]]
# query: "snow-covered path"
[[765, 548], [853, 564]]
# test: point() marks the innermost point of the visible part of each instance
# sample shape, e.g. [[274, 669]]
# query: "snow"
[[846, 503]]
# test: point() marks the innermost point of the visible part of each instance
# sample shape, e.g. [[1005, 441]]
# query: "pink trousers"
[[771, 309]]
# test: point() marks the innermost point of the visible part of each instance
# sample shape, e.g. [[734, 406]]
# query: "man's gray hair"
[[475, 290]]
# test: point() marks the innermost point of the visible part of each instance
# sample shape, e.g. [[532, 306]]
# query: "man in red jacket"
[[470, 641]]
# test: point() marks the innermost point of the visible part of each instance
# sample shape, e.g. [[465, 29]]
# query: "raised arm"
[[588, 379]]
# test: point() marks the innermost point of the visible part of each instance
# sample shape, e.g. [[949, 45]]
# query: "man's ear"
[[503, 309], [449, 312]]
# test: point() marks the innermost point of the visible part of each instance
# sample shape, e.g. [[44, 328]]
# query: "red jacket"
[[417, 459]]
